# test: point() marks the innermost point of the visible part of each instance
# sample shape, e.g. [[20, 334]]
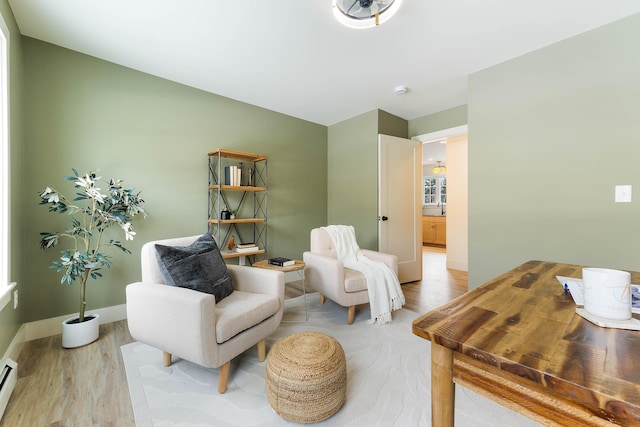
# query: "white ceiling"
[[433, 152], [293, 57]]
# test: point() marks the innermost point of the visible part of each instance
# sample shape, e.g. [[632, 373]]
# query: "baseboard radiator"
[[8, 379]]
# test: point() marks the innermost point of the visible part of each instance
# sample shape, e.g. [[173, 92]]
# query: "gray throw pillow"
[[198, 266]]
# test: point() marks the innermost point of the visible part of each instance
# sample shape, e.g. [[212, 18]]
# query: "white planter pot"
[[76, 334]]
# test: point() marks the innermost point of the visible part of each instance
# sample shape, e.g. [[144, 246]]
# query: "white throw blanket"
[[385, 293]]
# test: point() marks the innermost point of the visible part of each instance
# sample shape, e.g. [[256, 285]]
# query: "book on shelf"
[[228, 174], [232, 175], [246, 245], [247, 249], [282, 262]]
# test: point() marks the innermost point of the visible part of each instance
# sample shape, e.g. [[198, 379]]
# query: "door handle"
[[384, 218]]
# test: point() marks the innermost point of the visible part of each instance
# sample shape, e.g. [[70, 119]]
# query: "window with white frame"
[[435, 190]]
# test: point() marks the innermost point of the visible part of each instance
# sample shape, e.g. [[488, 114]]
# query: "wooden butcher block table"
[[518, 340]]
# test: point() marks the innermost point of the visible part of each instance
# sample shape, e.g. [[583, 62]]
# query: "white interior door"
[[399, 204]]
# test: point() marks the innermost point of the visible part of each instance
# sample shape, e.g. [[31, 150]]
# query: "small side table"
[[298, 266]]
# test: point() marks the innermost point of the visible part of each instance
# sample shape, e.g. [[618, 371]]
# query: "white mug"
[[607, 293]]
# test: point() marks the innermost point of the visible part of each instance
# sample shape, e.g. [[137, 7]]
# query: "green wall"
[[88, 114], [388, 124], [353, 172], [446, 119], [550, 135], [10, 319]]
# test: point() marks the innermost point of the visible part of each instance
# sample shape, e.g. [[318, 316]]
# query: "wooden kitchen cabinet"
[[434, 230]]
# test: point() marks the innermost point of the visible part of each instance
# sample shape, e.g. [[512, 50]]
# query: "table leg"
[[304, 292], [442, 386]]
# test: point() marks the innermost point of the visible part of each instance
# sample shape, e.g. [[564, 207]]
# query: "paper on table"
[[575, 288], [631, 324]]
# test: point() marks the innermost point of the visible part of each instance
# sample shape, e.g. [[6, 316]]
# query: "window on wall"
[[4, 156], [435, 190], [430, 190]]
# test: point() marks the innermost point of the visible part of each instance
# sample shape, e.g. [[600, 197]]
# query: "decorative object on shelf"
[[84, 259], [232, 242], [225, 214], [362, 14], [440, 168], [232, 213]]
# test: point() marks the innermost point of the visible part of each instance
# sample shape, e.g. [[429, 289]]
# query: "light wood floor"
[[87, 386]]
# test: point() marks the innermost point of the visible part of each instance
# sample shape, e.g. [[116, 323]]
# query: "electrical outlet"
[[15, 299]]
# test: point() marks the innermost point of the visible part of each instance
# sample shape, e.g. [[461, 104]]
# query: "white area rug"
[[388, 379]]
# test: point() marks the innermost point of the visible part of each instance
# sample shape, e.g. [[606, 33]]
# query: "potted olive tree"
[[92, 212]]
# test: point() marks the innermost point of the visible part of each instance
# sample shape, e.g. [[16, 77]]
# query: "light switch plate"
[[623, 193]]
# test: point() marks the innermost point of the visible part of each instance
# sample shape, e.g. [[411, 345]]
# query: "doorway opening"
[[449, 147]]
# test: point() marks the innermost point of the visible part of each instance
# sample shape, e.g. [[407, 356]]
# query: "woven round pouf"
[[306, 377]]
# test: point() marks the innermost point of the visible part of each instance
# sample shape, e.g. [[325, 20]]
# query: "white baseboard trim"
[[53, 326], [456, 265], [15, 347]]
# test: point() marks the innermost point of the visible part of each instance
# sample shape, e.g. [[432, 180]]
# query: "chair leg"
[[223, 377], [262, 350], [351, 315], [322, 299], [166, 358]]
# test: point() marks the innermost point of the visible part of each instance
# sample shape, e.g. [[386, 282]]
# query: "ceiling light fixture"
[[439, 168], [364, 13]]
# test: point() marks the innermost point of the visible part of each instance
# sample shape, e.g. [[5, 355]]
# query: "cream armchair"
[[324, 273], [191, 325]]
